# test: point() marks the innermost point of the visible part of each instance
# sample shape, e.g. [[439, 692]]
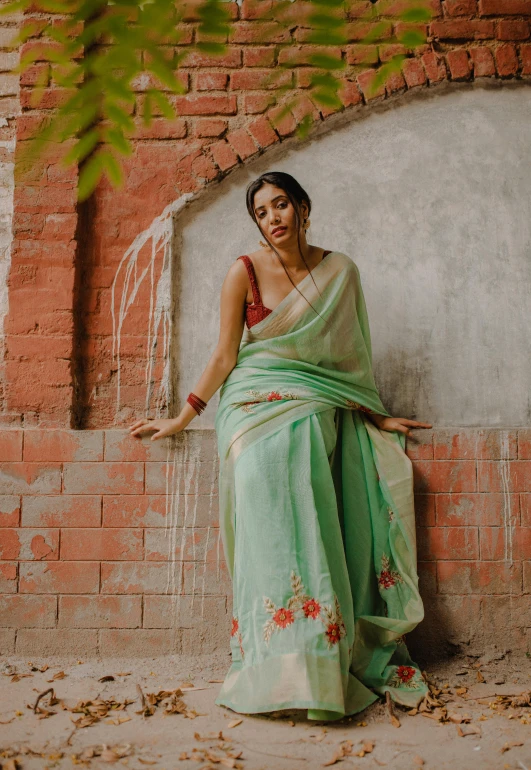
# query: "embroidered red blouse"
[[256, 311]]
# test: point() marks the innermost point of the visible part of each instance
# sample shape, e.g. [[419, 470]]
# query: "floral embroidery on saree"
[[355, 405], [301, 605], [407, 676], [235, 631], [390, 512], [388, 577], [271, 395]]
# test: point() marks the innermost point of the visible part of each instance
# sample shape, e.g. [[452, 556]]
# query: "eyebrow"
[[273, 200]]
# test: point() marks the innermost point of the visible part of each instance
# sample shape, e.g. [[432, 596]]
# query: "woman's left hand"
[[400, 424]]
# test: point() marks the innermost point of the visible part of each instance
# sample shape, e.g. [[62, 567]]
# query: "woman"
[[316, 493]]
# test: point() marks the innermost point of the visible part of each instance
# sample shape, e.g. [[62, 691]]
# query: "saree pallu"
[[316, 512]]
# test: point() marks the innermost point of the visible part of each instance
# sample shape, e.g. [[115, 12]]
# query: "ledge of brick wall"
[[110, 545]]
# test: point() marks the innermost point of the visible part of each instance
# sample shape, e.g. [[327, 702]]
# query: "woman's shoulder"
[[346, 262]]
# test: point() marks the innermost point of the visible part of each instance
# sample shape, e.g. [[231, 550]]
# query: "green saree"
[[316, 512]]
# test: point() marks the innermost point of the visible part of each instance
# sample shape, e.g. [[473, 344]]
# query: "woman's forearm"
[[214, 375]]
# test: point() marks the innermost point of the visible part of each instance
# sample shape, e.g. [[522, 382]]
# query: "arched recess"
[[430, 195]]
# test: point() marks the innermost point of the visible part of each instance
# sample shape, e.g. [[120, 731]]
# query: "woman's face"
[[276, 216]]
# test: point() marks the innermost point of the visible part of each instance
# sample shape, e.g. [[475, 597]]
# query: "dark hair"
[[297, 195]]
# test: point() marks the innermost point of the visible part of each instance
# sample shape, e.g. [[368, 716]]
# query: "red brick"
[[262, 131], [204, 169], [512, 29], [223, 155], [413, 73], [256, 103], [242, 143], [445, 475], [365, 80], [349, 93], [470, 443], [63, 445], [506, 60], [505, 543], [511, 476], [461, 7], [525, 53], [120, 445], [47, 99], [359, 30], [366, 54], [211, 81], [9, 510], [231, 58], [207, 578], [303, 106], [459, 64], [434, 66], [258, 79], [37, 544], [28, 611], [419, 445], [425, 510], [395, 82], [474, 577], [527, 577], [36, 73], [160, 128], [453, 29], [60, 226], [141, 642], [285, 125], [59, 577], [258, 32], [525, 508], [206, 104], [154, 510], [139, 577], [504, 7], [61, 511], [101, 544], [210, 127], [263, 56], [57, 641], [186, 544], [184, 611], [31, 478], [10, 445], [200, 478], [476, 509], [103, 478], [483, 62], [145, 81], [100, 612], [8, 577], [256, 9], [447, 543], [309, 54]]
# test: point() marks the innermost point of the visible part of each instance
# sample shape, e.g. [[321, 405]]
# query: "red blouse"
[[257, 311]]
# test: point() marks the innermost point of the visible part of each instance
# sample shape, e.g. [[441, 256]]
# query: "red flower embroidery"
[[283, 617], [235, 626], [333, 633], [274, 396], [405, 673], [386, 580], [311, 608]]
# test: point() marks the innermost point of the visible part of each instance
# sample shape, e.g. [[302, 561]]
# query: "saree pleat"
[[316, 513]]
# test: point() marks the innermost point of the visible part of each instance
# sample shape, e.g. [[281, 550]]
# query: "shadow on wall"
[[431, 198]]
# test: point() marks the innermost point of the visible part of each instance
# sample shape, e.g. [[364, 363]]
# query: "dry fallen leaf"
[[235, 723], [480, 676], [469, 730], [507, 746]]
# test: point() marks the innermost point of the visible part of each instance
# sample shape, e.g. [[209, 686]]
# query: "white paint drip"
[[158, 238]]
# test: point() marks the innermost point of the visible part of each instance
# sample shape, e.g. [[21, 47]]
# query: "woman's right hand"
[[163, 427]]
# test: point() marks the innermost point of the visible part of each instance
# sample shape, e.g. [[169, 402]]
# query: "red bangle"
[[197, 403]]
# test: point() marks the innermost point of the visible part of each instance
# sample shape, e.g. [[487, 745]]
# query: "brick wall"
[[98, 533], [111, 545]]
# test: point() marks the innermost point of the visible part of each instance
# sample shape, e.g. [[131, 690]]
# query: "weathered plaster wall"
[[432, 200]]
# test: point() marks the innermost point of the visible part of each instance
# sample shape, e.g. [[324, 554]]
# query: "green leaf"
[[411, 38], [325, 62], [83, 147], [89, 176], [421, 13], [116, 138]]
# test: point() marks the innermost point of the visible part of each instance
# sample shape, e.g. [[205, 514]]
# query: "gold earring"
[[306, 224], [263, 245]]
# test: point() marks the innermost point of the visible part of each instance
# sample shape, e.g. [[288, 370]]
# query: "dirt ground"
[[467, 723]]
